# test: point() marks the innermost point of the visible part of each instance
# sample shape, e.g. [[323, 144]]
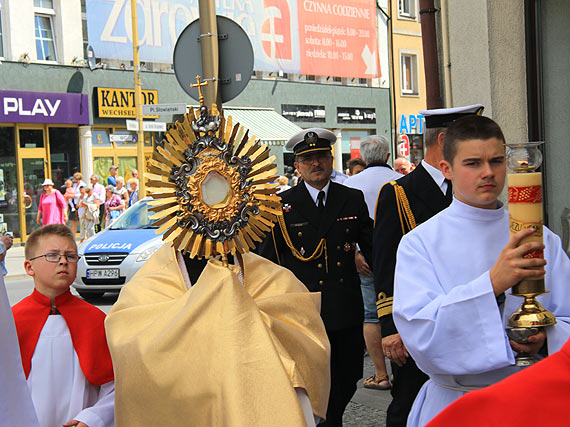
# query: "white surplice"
[[15, 402], [60, 391], [446, 311]]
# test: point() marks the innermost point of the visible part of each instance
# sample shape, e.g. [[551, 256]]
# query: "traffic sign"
[[133, 126], [235, 56], [163, 109]]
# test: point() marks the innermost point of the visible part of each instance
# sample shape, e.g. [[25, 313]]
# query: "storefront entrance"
[[28, 155]]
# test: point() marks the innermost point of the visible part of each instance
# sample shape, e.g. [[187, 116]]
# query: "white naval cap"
[[309, 140], [444, 117]]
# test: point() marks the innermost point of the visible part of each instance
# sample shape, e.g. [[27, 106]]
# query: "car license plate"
[[103, 273]]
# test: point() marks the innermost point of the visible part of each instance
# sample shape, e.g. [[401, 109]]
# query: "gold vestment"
[[220, 353]]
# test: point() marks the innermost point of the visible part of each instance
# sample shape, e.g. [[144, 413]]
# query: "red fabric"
[[536, 396], [86, 326]]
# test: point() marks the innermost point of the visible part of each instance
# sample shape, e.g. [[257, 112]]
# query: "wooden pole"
[[138, 99]]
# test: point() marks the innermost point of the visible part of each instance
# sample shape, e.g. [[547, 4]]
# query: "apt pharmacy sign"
[[43, 107]]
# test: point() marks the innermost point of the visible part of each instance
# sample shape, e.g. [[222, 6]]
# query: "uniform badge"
[[347, 247], [302, 250], [286, 207]]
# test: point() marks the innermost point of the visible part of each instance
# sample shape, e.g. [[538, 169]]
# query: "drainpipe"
[[431, 63], [445, 50]]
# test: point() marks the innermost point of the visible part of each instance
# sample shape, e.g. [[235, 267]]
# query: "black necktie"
[[449, 192], [321, 201]]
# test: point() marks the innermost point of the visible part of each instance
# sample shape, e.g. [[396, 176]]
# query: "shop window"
[[45, 40], [407, 9], [31, 138], [9, 220], [64, 154], [126, 166], [101, 167], [409, 74]]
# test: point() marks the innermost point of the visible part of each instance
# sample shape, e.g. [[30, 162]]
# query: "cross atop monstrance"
[[199, 86]]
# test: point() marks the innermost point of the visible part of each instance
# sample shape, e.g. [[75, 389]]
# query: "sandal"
[[377, 383]]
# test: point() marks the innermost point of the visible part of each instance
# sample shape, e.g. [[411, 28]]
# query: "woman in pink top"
[[52, 208]]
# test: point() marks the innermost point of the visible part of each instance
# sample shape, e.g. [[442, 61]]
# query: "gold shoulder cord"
[[407, 219], [322, 246]]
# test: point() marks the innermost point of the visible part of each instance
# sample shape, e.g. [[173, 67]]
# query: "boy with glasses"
[[62, 337]]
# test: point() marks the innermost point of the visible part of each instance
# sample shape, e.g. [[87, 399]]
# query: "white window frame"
[[415, 89], [51, 15], [412, 13]]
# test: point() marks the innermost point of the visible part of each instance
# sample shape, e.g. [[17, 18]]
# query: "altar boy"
[[62, 338], [453, 271]]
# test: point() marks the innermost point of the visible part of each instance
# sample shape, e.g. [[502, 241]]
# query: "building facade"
[[59, 115], [409, 83]]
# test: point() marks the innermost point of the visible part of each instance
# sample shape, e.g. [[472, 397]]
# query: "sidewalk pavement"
[[15, 263]]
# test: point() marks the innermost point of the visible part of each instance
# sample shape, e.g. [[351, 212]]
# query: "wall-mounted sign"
[[324, 37], [303, 113], [133, 125], [414, 123], [356, 115], [123, 138], [120, 103], [43, 107]]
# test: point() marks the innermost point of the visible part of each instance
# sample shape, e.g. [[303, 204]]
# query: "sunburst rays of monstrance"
[[212, 186]]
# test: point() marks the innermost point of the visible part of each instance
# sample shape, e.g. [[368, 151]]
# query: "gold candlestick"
[[525, 211]]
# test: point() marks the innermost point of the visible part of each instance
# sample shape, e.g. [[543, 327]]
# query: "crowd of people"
[[92, 206], [412, 263]]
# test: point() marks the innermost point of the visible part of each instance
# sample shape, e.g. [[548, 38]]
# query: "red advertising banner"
[[338, 38]]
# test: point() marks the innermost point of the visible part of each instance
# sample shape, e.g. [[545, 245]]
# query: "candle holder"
[[525, 211]]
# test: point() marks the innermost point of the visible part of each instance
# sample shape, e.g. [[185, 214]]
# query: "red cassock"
[[86, 327], [536, 396]]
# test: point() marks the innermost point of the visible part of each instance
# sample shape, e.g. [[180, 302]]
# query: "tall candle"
[[525, 210]]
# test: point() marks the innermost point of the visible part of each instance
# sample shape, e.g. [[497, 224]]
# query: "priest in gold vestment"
[[232, 340]]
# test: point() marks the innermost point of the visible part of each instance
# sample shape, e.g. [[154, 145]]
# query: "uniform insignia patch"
[[286, 207], [347, 247], [302, 251]]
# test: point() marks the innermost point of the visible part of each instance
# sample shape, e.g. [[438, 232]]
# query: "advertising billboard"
[[321, 37]]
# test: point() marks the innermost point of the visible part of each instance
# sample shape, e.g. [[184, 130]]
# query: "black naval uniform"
[[343, 223], [425, 200]]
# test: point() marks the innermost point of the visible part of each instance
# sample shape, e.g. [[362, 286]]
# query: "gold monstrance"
[[211, 183]]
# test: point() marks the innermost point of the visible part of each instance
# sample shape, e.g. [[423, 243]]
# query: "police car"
[[112, 257]]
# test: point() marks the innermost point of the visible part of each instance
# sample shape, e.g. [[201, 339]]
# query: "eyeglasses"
[[72, 258], [310, 159]]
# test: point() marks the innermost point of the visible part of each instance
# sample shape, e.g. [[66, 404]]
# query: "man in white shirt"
[[375, 151], [453, 272]]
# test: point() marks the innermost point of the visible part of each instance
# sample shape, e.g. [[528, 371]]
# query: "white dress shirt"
[[314, 193]]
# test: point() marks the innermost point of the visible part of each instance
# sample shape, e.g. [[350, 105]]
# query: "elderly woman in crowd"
[[89, 205], [114, 205], [52, 208], [121, 190]]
